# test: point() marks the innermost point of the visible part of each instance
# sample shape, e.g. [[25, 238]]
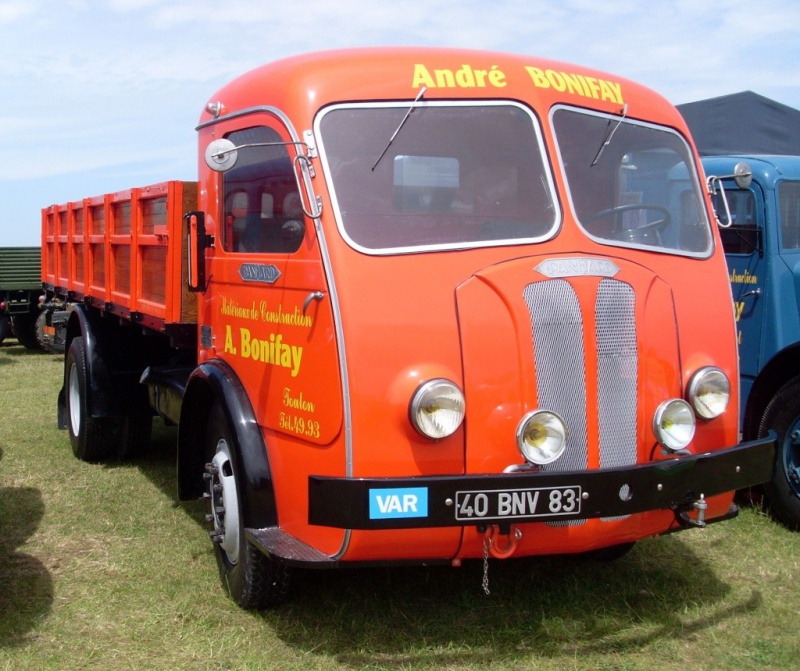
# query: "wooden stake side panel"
[[125, 250]]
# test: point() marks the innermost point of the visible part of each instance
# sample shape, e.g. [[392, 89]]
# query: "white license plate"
[[506, 504]]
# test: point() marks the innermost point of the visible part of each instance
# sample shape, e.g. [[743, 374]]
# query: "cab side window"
[[263, 212]]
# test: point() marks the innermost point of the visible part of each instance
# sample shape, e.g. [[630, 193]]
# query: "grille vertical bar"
[[618, 366], [557, 326]]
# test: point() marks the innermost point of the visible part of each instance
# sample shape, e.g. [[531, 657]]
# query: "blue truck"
[[750, 148]]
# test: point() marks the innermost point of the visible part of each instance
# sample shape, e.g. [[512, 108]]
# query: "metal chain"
[[487, 542]]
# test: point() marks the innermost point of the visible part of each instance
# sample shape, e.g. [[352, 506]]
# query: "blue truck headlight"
[[674, 424], [437, 408], [709, 392], [541, 437]]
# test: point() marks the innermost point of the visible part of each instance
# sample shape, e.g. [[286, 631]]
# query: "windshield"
[[632, 184], [418, 176]]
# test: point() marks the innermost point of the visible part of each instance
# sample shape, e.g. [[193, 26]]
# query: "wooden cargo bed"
[[124, 253]]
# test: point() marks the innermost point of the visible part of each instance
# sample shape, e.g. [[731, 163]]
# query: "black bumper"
[[469, 500]]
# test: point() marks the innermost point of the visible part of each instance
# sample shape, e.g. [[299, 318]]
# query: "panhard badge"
[[577, 266], [259, 272]]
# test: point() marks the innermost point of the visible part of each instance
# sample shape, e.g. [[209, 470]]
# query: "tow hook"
[[682, 513], [491, 534], [501, 549]]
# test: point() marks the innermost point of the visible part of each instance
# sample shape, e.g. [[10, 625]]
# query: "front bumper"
[[469, 500]]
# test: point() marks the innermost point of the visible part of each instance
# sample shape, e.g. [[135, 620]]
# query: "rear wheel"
[[92, 438], [5, 327], [251, 578], [25, 330], [783, 491]]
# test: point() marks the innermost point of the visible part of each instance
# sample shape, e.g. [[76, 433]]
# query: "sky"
[[97, 96]]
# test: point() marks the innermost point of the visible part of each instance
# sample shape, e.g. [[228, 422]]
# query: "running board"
[[286, 549]]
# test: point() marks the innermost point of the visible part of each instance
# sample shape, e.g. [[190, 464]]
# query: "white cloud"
[[14, 10]]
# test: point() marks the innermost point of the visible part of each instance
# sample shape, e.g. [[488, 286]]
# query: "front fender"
[[216, 381]]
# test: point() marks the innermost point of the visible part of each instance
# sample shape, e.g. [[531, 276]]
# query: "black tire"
[[782, 414], [25, 330], [252, 579], [92, 438], [5, 327]]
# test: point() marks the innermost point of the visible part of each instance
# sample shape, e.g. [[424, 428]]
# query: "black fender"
[[104, 399], [215, 380]]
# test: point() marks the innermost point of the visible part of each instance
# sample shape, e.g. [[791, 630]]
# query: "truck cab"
[[761, 237], [425, 306]]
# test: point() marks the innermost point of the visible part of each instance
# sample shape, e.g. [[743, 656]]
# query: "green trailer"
[[20, 289]]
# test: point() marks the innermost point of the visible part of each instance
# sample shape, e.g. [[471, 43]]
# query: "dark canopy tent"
[[743, 123]]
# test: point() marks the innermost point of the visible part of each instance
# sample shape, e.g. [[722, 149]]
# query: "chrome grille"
[[557, 326], [617, 368], [560, 359]]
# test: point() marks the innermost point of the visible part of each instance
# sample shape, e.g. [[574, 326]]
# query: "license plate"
[[528, 503]]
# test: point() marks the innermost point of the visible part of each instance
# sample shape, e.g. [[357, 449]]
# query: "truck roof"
[[398, 73], [767, 168]]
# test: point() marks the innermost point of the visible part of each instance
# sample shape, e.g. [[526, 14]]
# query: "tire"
[[25, 330], [252, 579], [92, 438], [5, 327], [783, 491]]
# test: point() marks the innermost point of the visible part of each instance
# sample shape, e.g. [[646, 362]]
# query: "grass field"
[[102, 568]]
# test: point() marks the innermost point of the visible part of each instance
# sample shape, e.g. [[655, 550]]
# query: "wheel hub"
[[224, 502]]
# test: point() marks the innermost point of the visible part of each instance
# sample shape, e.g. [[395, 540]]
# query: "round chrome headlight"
[[437, 408], [674, 424], [541, 437], [709, 392]]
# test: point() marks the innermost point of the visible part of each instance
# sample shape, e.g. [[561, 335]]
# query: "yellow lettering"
[[538, 77], [497, 77], [573, 83], [421, 77], [444, 78], [465, 77], [229, 346], [606, 93], [739, 309], [556, 80], [245, 340]]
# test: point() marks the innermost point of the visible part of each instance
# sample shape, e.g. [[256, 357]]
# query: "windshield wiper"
[[609, 134], [405, 118]]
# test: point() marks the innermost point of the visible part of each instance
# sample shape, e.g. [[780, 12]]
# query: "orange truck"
[[422, 305]]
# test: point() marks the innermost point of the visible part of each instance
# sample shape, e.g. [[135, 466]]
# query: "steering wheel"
[[657, 225]]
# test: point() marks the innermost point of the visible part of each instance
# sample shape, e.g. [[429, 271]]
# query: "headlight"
[[709, 392], [674, 424], [437, 408], [541, 437]]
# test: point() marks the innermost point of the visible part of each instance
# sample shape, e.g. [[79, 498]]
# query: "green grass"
[[102, 568]]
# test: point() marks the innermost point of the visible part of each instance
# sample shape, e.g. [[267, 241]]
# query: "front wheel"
[[92, 438], [251, 578], [782, 414]]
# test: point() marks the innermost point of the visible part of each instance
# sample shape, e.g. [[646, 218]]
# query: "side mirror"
[[197, 242], [221, 155], [742, 176]]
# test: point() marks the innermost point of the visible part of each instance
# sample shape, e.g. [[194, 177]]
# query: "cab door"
[[744, 242], [267, 312]]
